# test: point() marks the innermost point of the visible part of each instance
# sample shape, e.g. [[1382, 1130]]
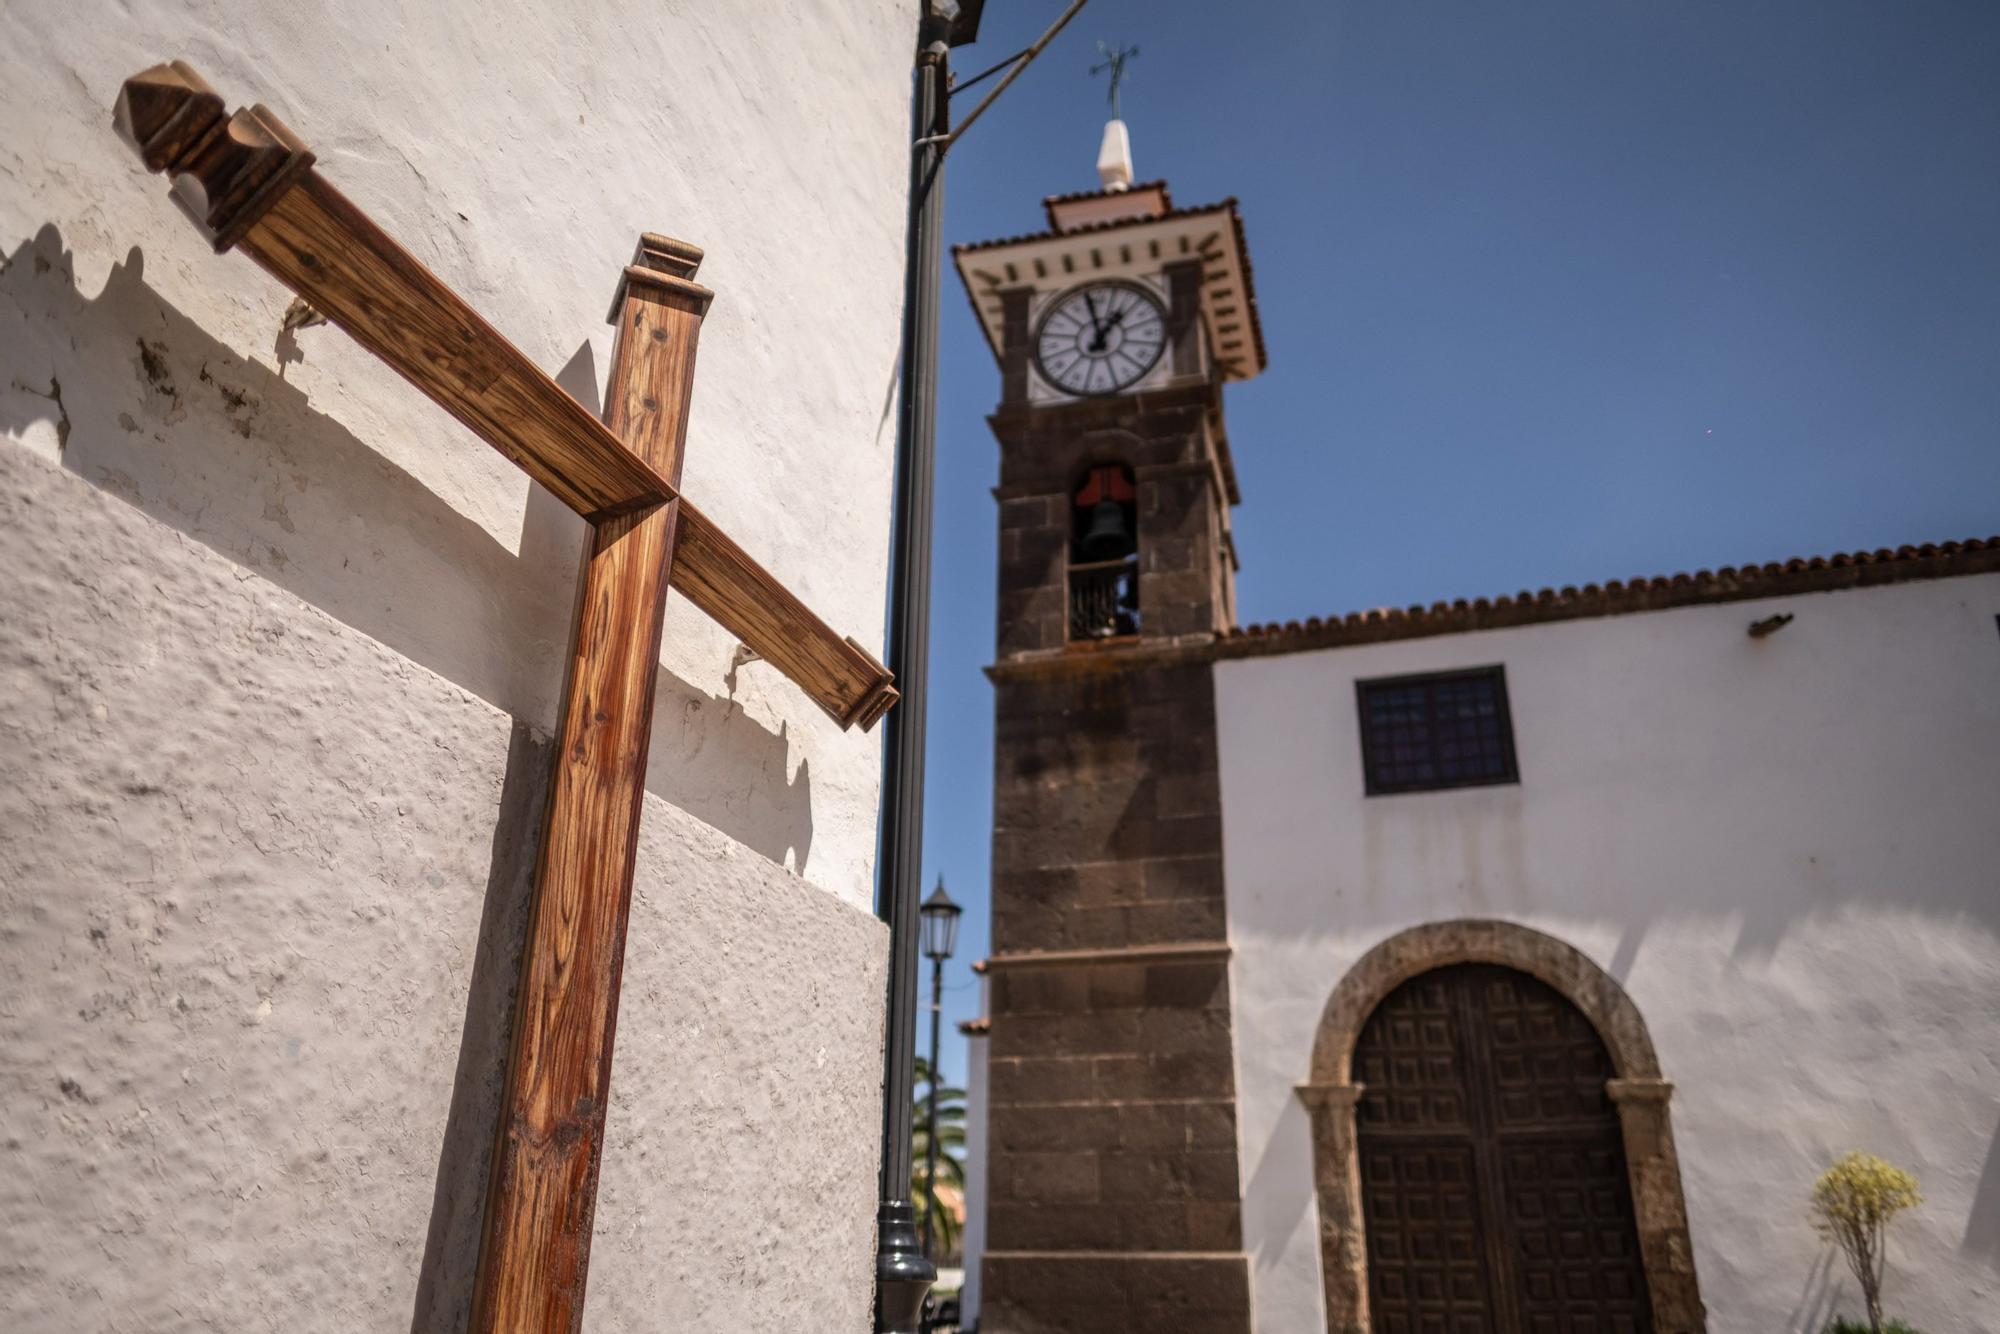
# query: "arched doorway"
[[1621, 1064], [1492, 1169]]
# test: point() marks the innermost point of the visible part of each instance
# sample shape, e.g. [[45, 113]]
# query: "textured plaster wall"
[[1783, 849], [261, 886], [280, 646]]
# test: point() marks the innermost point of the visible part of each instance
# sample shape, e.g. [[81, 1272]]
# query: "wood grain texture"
[[324, 248], [163, 112], [719, 577], [535, 1250]]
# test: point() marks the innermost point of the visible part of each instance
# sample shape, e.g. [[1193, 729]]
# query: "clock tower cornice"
[[1125, 235]]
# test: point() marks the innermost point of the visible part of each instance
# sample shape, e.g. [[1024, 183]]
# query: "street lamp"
[[903, 1275], [940, 932]]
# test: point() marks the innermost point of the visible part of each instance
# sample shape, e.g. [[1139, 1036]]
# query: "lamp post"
[[940, 917], [902, 1274]]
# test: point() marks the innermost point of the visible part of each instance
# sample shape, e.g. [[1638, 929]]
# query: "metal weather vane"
[[1115, 58]]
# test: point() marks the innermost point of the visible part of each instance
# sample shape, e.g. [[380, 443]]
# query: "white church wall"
[[1784, 849], [282, 646]]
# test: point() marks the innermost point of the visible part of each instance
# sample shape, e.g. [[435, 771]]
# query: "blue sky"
[[1555, 291]]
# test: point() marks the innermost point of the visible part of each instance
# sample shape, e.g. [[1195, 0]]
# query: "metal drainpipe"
[[903, 1275]]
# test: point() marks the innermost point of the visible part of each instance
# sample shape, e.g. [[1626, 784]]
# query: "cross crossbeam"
[[249, 183]]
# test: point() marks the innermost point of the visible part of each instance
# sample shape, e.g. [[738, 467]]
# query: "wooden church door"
[[1493, 1171]]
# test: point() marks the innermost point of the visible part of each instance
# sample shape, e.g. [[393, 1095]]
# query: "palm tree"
[[944, 1205]]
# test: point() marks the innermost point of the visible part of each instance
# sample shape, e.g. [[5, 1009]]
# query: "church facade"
[[1504, 965]]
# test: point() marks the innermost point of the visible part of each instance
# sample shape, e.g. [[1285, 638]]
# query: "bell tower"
[[1113, 1180], [1115, 331]]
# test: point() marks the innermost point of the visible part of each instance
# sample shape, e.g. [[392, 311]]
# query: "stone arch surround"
[[1639, 1091]]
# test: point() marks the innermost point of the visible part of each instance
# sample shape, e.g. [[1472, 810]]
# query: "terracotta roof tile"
[[1729, 584], [1088, 228], [1049, 202]]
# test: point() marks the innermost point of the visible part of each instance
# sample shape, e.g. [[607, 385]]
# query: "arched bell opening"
[[1103, 571]]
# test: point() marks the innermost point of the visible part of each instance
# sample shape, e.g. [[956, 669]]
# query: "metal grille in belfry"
[[1493, 1170], [1104, 599]]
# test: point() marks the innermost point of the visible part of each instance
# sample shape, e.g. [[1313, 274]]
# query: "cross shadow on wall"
[[142, 403], [149, 407]]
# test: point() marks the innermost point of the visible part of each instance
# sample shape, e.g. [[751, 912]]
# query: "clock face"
[[1101, 338]]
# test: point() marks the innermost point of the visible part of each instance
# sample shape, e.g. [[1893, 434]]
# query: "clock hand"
[[1097, 343], [1096, 325]]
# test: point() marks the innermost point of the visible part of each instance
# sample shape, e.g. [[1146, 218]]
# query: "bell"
[[1107, 537]]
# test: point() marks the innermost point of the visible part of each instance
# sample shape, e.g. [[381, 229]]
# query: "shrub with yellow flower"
[[1853, 1203]]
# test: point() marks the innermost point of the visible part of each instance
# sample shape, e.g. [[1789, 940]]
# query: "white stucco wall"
[[1784, 849], [280, 646]]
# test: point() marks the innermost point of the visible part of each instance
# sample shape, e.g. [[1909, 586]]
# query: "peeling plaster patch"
[[234, 401], [155, 371], [274, 511], [153, 361], [53, 395], [119, 483]]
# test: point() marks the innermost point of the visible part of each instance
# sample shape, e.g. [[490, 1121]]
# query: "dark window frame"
[[1373, 763]]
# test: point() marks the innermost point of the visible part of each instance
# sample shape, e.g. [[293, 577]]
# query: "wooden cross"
[[249, 183]]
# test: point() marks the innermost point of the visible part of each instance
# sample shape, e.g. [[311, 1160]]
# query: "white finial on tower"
[[1114, 157], [1114, 154]]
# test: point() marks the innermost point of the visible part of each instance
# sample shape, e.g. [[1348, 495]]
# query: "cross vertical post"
[[542, 1194]]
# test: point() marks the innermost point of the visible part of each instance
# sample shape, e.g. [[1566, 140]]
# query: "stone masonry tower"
[[1114, 1192]]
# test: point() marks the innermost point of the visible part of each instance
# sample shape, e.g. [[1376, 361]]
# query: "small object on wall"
[[1770, 625], [300, 315]]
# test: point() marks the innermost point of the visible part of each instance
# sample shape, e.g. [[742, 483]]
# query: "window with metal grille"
[[1448, 729]]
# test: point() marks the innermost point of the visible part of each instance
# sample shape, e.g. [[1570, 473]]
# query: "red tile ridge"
[[1090, 228], [1138, 187], [1801, 574]]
